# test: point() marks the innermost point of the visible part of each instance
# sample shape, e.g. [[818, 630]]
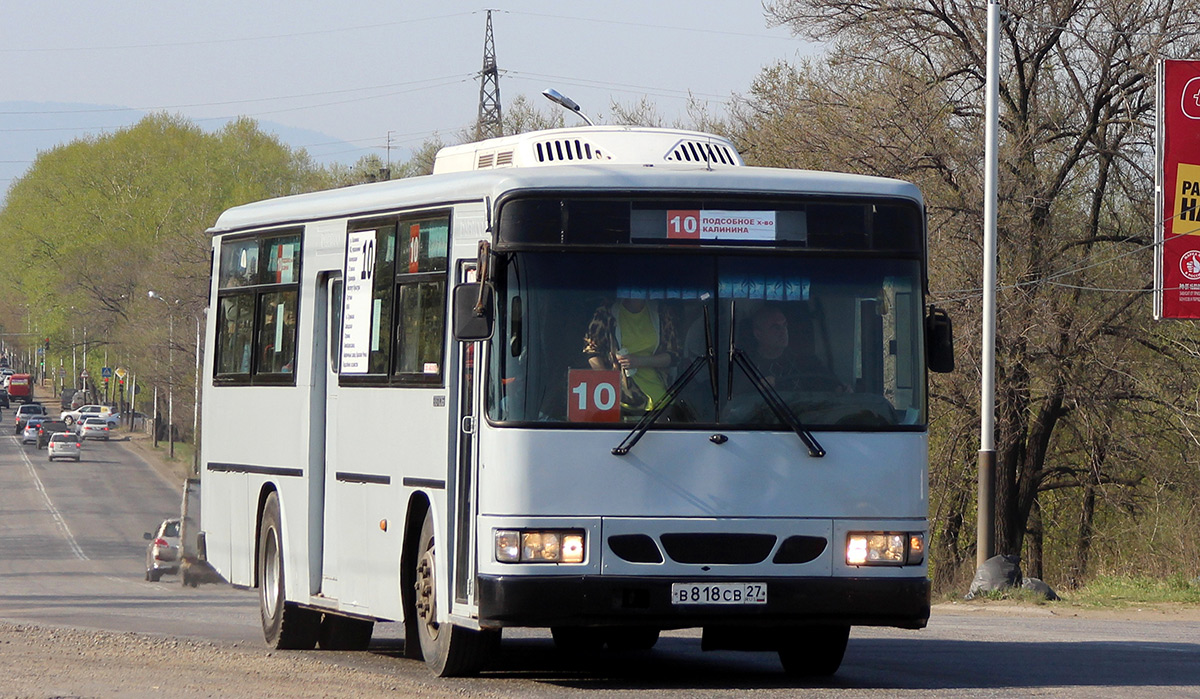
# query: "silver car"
[[64, 445], [162, 553], [94, 428], [29, 433]]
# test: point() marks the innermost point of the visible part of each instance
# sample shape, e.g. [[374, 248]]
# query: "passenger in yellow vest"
[[635, 336]]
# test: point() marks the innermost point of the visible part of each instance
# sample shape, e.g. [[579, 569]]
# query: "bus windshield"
[[592, 339]]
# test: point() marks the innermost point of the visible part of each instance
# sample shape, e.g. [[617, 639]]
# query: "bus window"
[[335, 325], [235, 334], [420, 299], [283, 260], [239, 263], [277, 333], [259, 280], [421, 326]]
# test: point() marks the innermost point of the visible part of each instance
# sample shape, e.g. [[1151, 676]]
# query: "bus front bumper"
[[627, 601]]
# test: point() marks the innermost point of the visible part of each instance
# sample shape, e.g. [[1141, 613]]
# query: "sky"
[[347, 79]]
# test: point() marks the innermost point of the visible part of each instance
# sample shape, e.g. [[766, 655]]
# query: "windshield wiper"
[[673, 391], [774, 401]]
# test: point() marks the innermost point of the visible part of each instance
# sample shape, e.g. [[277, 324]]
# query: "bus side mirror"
[[473, 312], [939, 341]]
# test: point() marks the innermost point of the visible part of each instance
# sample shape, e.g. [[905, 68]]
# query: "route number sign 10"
[[593, 396]]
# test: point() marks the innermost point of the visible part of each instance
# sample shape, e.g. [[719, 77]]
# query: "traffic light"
[[46, 344]]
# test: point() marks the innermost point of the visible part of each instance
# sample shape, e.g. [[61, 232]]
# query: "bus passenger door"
[[467, 463], [327, 359]]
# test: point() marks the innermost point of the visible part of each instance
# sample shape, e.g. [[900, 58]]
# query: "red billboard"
[[1177, 266]]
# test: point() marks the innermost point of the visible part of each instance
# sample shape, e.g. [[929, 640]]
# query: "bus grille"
[[718, 549]]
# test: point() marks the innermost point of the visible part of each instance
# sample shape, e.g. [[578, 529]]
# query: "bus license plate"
[[718, 593]]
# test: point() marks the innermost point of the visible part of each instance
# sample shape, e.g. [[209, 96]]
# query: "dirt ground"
[[46, 662]]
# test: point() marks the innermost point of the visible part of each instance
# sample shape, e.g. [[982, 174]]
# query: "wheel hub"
[[425, 599]]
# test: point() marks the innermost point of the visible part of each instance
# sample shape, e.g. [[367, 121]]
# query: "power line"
[[464, 78], [699, 30], [619, 87], [214, 42], [100, 110]]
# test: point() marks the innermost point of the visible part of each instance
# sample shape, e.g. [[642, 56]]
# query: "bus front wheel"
[[449, 650], [285, 624]]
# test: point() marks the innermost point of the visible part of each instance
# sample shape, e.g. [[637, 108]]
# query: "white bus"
[[605, 380]]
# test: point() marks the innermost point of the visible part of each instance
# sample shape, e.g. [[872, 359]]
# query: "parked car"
[[29, 434], [47, 428], [64, 445], [85, 411], [162, 553], [25, 412], [94, 428]]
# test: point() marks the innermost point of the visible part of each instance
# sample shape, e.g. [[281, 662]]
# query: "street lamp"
[[170, 374]]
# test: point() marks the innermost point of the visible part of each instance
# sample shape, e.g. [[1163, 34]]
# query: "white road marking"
[[58, 519]]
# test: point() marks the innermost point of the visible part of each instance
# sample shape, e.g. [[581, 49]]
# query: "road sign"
[[84, 374], [120, 373], [106, 371]]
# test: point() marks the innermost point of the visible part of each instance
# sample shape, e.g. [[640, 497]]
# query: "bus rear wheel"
[[285, 624], [449, 650], [814, 651]]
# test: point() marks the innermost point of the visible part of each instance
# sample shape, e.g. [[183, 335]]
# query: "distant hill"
[[26, 128]]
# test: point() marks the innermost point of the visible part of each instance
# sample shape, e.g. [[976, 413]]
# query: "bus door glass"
[[328, 364], [464, 482]]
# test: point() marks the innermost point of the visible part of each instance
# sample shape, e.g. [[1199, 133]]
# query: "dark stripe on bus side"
[[345, 477], [425, 483], [260, 470]]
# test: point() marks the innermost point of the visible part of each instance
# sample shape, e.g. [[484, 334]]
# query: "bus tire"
[[286, 626], [344, 633], [814, 651], [449, 650]]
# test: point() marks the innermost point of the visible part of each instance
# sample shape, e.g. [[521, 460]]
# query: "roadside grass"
[[1128, 591], [1103, 592]]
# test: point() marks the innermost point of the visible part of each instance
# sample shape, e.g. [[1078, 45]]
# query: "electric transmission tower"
[[489, 124]]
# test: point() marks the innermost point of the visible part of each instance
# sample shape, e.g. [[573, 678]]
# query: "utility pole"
[[985, 526], [489, 125]]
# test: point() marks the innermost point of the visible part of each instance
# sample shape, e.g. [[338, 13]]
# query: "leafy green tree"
[[96, 223]]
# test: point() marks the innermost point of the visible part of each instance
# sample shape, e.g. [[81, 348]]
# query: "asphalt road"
[[72, 555]]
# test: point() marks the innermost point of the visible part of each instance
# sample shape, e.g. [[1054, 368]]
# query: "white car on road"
[[85, 411]]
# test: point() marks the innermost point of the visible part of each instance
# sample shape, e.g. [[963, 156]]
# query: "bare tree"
[[900, 94]]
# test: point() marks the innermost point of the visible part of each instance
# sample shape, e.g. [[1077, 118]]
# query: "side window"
[[381, 300], [239, 263], [421, 299], [277, 332], [235, 334], [258, 292], [335, 325], [395, 301], [422, 325]]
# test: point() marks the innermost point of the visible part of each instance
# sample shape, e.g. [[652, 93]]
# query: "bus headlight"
[[539, 545], [885, 548]]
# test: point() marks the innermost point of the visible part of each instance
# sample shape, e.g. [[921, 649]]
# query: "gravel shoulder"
[[47, 662], [60, 662]]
